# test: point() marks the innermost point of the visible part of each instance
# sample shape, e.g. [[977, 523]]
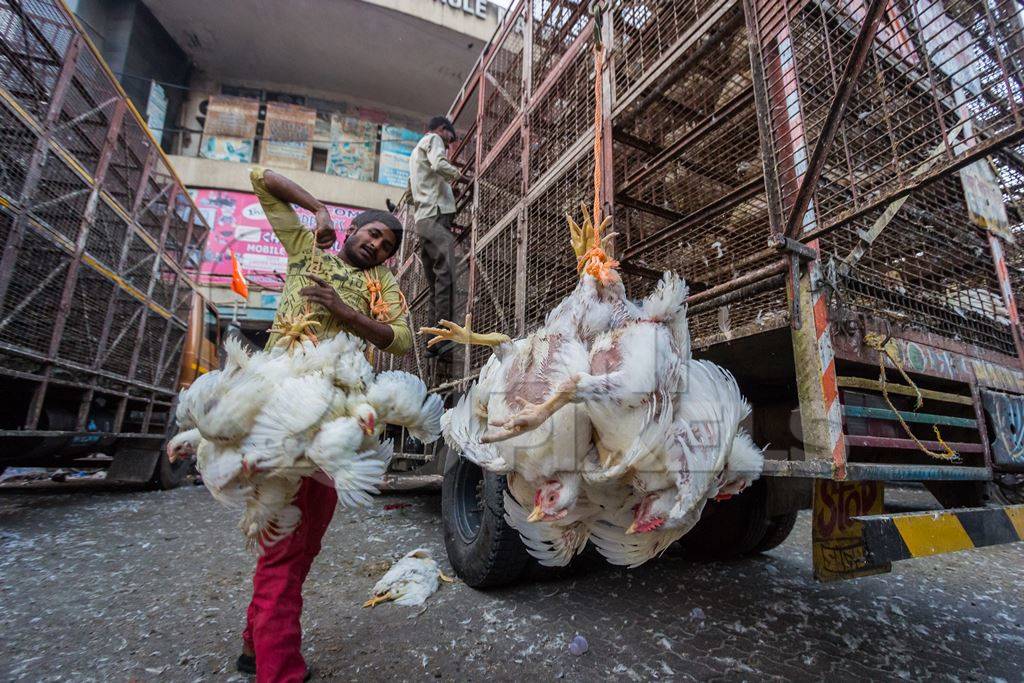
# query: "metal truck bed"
[[98, 239], [839, 182]]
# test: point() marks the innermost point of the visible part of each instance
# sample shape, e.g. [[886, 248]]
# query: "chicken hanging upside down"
[[271, 418], [607, 429]]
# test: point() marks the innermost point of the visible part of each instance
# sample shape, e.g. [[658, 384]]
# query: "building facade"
[[333, 94]]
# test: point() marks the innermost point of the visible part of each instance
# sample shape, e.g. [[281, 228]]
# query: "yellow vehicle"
[[200, 353]]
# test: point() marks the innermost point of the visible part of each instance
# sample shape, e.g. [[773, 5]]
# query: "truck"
[[100, 242], [840, 183]]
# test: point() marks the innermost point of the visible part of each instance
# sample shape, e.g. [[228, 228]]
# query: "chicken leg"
[[533, 415], [377, 599], [449, 331]]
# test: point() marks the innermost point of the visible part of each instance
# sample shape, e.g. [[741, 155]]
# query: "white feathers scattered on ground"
[[266, 420]]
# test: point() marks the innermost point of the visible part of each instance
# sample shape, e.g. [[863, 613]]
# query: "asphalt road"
[[110, 584]]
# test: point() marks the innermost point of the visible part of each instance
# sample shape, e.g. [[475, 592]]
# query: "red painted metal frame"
[[35, 167], [71, 277]]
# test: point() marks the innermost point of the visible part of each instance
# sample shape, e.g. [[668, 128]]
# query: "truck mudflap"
[[891, 538]]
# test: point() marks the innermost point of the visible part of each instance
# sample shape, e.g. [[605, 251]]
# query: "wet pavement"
[[112, 584]]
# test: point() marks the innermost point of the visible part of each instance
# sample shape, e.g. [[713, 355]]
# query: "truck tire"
[[167, 475], [779, 529], [484, 551], [1007, 489], [731, 528]]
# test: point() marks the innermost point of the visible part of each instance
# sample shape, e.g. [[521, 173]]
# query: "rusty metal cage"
[[886, 134], [99, 237], [887, 124]]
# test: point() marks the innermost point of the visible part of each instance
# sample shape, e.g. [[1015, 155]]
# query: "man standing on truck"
[[430, 178], [353, 287]]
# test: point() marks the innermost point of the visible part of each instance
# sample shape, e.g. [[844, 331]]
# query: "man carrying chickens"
[[324, 294]]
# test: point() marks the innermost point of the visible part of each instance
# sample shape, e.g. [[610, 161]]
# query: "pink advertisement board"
[[237, 223]]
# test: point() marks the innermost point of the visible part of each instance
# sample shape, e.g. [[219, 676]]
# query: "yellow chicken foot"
[[447, 579], [533, 415], [377, 599], [449, 331], [295, 329]]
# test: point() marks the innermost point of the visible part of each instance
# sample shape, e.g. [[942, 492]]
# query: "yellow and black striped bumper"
[[889, 538]]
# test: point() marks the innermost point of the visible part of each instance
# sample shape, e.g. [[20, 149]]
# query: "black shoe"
[[246, 664], [390, 204]]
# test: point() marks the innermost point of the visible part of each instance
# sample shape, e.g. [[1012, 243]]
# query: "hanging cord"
[[878, 342], [380, 310], [596, 261], [597, 11]]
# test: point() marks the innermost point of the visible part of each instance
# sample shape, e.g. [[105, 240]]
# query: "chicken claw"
[[582, 237], [533, 415], [296, 329], [449, 331], [377, 599]]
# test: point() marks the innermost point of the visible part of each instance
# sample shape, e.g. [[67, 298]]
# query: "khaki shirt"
[[430, 175], [348, 281]]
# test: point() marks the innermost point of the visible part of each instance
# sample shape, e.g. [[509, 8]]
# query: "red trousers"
[[272, 622]]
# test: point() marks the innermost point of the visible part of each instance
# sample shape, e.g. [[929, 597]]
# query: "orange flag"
[[238, 284]]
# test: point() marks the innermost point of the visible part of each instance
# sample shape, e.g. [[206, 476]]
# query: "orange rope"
[[598, 135], [595, 261], [380, 310]]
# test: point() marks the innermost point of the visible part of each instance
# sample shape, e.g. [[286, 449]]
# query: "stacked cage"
[[896, 179], [689, 187], [97, 236]]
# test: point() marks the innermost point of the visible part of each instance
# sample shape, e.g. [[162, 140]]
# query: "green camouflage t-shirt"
[[348, 281]]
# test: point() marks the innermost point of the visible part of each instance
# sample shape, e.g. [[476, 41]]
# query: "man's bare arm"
[[289, 191], [377, 333]]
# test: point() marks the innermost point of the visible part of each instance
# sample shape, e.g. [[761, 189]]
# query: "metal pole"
[[523, 225], [834, 117], [1006, 288]]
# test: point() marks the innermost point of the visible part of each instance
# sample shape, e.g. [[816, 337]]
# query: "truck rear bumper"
[[891, 538]]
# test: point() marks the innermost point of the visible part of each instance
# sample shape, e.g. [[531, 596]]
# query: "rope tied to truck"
[[879, 343]]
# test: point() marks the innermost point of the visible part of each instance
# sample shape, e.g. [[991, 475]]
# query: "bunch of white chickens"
[[609, 431], [266, 420]]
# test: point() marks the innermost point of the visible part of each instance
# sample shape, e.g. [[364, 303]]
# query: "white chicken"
[[977, 302], [410, 581], [532, 372], [707, 455], [268, 420], [635, 517]]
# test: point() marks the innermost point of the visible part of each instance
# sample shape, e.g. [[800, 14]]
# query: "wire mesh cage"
[[920, 156], [98, 235], [715, 110]]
